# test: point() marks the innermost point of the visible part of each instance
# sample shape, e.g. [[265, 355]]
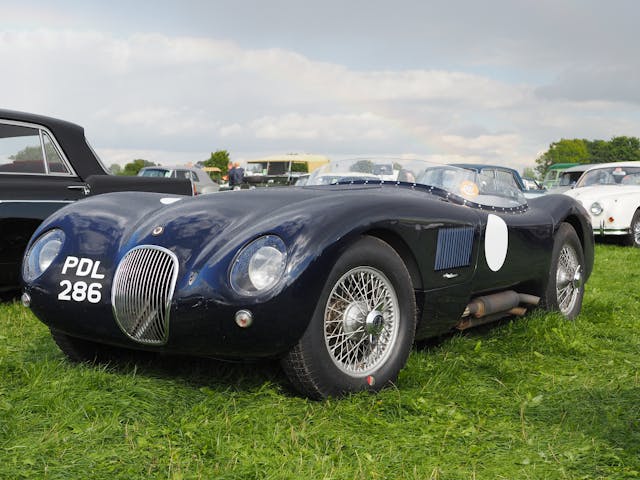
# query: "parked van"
[[552, 177]]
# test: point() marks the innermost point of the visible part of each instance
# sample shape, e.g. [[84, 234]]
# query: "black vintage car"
[[45, 164], [336, 278]]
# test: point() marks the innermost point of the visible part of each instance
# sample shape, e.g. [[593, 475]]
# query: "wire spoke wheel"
[[362, 328], [361, 321], [568, 279], [636, 232]]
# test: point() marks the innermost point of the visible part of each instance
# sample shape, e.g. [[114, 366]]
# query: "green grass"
[[533, 398]]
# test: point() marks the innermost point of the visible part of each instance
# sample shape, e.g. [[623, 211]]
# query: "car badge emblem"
[[157, 231]]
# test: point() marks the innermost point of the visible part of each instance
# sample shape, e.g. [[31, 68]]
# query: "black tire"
[[376, 338], [633, 239], [83, 351], [565, 286]]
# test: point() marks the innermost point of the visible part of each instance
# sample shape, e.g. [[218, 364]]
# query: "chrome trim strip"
[[44, 154], [37, 201], [617, 231]]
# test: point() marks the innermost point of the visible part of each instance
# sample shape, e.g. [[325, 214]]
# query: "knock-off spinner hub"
[[577, 277], [374, 323], [354, 316]]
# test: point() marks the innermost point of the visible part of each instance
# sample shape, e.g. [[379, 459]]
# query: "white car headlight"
[[259, 265], [596, 208], [42, 254]]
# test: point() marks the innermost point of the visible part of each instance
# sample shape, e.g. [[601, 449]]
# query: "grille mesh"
[[454, 247], [142, 291]]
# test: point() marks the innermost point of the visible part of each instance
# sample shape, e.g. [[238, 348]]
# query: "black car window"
[[54, 161], [194, 176], [182, 174], [20, 150]]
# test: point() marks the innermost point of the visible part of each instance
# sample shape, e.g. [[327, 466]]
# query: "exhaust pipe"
[[488, 308]]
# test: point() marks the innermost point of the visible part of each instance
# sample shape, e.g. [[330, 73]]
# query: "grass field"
[[533, 398]]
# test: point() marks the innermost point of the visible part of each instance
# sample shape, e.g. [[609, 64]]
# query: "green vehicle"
[[552, 177]]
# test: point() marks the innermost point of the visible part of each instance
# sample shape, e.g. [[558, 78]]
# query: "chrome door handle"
[[85, 189]]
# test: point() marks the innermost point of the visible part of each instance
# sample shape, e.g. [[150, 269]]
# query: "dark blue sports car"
[[336, 278]]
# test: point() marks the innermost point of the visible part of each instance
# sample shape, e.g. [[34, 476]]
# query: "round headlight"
[[596, 208], [42, 254], [265, 267], [259, 265]]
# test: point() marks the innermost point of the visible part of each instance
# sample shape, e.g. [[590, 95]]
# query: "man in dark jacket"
[[236, 176]]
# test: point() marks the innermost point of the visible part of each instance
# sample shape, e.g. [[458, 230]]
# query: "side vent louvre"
[[454, 247]]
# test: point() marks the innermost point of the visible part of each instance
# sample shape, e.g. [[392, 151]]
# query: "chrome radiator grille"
[[142, 291]]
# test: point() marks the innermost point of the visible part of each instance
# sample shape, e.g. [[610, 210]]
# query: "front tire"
[[565, 286], [633, 239], [362, 329], [79, 350]]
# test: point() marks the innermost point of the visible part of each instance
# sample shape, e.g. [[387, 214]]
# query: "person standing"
[[239, 174], [232, 175], [236, 176]]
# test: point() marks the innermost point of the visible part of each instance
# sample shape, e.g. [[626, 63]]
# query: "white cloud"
[[168, 95], [331, 128]]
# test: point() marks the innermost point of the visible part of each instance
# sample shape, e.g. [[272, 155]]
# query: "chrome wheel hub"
[[374, 323], [361, 321], [353, 317]]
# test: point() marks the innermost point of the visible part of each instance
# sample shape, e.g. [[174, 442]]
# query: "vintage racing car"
[[336, 280]]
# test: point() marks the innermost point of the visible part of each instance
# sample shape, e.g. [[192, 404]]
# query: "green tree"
[[220, 159], [134, 167], [599, 151], [618, 149], [364, 166], [28, 154], [115, 168], [300, 167], [564, 151], [529, 173], [624, 149]]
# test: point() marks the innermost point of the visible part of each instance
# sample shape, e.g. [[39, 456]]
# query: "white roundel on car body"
[[496, 242]]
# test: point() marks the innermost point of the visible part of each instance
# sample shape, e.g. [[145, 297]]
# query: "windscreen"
[[459, 184], [610, 176]]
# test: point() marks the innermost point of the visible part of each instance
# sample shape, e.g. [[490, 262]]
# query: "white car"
[[611, 194], [200, 180]]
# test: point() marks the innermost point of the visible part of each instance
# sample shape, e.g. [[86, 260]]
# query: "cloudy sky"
[[492, 81]]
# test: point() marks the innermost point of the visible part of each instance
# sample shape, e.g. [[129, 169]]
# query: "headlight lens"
[[259, 265], [42, 254], [596, 208]]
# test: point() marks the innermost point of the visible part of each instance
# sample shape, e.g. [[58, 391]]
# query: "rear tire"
[[565, 286], [362, 329]]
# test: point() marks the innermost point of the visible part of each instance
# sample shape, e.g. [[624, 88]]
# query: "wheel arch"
[[585, 236], [578, 227], [396, 242]]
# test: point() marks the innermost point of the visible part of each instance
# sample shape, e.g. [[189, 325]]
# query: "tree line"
[[576, 150]]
